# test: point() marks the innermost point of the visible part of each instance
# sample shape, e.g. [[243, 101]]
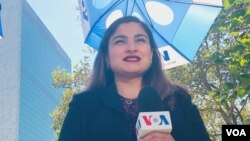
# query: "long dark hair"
[[102, 76]]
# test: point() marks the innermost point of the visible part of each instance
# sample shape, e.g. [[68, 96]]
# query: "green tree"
[[72, 83], [219, 78]]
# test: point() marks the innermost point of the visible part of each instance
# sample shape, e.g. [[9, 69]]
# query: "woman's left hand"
[[157, 136]]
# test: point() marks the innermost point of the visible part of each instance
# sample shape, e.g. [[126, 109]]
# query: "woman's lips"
[[132, 58]]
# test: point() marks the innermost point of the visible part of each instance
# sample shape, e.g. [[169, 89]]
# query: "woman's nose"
[[131, 47]]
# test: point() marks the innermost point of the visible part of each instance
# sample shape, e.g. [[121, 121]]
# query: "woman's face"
[[129, 51]]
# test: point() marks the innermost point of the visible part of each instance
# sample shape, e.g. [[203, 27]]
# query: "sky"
[[62, 18]]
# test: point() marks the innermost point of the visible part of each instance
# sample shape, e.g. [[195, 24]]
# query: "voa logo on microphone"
[[155, 120]]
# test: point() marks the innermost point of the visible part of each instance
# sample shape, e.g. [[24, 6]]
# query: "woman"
[[127, 61]]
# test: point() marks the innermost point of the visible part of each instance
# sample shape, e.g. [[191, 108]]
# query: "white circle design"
[[160, 13], [113, 16]]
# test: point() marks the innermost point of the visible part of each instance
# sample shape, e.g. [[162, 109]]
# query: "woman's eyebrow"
[[141, 35], [118, 37], [125, 37]]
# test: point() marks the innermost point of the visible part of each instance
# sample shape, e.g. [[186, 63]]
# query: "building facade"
[[28, 55]]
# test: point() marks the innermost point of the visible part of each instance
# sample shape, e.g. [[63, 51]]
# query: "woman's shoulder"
[[84, 98], [180, 97]]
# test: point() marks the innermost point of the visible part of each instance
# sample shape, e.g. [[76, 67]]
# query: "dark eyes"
[[122, 41], [141, 40], [119, 41]]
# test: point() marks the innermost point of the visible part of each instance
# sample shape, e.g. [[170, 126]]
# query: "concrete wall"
[[10, 69]]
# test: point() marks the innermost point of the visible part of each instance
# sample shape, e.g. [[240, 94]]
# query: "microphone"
[[151, 116]]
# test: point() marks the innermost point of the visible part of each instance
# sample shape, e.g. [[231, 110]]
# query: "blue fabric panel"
[[194, 28]]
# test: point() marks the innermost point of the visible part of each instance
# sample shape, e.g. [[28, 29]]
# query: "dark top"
[[99, 115], [130, 107]]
